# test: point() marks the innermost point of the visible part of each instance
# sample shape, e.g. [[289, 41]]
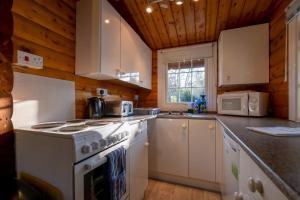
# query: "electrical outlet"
[[104, 91], [29, 60]]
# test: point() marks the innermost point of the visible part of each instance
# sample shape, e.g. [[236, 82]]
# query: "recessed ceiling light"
[[195, 0], [106, 21], [179, 2], [149, 9]]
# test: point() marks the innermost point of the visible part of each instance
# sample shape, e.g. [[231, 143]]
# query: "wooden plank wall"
[[7, 154], [149, 98], [47, 28], [278, 88]]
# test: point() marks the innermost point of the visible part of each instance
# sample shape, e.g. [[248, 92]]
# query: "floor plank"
[[158, 190]]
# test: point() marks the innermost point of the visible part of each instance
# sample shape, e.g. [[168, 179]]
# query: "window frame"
[[206, 51], [167, 80]]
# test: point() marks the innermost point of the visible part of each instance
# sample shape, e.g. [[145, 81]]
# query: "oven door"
[[91, 177], [233, 104]]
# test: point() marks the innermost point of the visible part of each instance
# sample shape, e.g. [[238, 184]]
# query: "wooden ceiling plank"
[[179, 22], [71, 3], [160, 25], [223, 14], [200, 20], [170, 25], [211, 20], [248, 12], [235, 13], [149, 23], [136, 15], [189, 18], [262, 11]]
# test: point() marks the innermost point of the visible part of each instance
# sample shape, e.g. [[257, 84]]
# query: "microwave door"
[[234, 105]]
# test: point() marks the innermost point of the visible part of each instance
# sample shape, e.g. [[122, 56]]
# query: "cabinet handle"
[[259, 186], [211, 127], [147, 144], [251, 184], [184, 126]]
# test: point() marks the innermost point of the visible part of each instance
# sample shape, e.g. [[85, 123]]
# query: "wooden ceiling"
[[192, 22]]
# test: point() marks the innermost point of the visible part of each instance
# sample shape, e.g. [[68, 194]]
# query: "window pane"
[[198, 65], [198, 79], [173, 95], [185, 66], [173, 80], [173, 67], [196, 92], [185, 94], [185, 80]]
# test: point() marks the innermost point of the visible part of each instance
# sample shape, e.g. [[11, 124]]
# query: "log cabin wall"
[[277, 87], [7, 161], [47, 28]]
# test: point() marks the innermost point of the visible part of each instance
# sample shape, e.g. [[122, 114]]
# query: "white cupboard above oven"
[[108, 48], [244, 56]]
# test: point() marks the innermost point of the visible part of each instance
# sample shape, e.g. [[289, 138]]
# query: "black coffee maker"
[[95, 108]]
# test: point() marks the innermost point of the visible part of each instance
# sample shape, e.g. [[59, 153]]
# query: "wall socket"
[[29, 60], [105, 92]]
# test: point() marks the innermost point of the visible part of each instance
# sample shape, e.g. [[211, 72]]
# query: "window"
[[185, 73], [186, 81]]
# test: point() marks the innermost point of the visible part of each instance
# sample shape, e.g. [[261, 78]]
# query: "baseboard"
[[185, 181]]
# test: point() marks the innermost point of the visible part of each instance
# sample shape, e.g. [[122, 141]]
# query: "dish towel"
[[277, 131], [116, 171]]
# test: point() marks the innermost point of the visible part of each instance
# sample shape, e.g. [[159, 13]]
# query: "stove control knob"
[[103, 143], [95, 146], [85, 149]]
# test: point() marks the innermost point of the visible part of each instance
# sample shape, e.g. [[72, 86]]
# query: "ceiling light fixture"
[[179, 2], [106, 21], [149, 9]]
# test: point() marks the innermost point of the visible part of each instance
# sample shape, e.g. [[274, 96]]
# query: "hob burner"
[[72, 128], [97, 123], [48, 125]]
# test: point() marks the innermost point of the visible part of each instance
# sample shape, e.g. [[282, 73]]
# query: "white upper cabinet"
[[136, 57], [98, 42], [244, 55], [108, 48]]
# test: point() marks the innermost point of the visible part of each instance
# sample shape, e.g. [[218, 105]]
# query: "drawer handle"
[[147, 144], [259, 186], [251, 184], [184, 126]]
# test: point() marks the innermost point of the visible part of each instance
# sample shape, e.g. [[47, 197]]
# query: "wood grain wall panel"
[[38, 14], [189, 19], [211, 20], [60, 9], [32, 32], [160, 26], [170, 25], [179, 24], [149, 98], [278, 87], [235, 13], [200, 20]]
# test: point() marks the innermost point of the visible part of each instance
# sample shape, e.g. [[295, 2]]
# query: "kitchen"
[[144, 99]]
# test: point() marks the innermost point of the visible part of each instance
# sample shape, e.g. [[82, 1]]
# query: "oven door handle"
[[98, 162]]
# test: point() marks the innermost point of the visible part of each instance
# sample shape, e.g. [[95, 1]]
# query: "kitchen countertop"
[[278, 157]]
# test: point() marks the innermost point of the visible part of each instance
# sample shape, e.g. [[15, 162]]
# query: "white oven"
[[90, 176], [244, 103]]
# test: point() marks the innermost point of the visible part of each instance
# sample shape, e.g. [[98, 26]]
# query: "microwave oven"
[[243, 103]]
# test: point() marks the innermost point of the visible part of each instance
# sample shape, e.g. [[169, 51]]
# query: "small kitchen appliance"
[[118, 108], [95, 108], [243, 103]]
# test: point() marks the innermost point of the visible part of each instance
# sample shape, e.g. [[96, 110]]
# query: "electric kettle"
[[95, 108]]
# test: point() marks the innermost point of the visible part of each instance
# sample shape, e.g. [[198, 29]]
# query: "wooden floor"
[[158, 190]]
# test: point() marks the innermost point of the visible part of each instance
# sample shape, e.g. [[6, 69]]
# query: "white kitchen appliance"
[[118, 108], [71, 155], [231, 169], [244, 103]]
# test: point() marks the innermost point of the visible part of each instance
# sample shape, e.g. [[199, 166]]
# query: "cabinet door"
[[219, 152], [145, 65], [202, 150], [110, 40], [169, 147], [138, 168]]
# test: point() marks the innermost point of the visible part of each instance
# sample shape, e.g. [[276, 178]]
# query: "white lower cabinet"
[[169, 147], [138, 162], [202, 150], [254, 183]]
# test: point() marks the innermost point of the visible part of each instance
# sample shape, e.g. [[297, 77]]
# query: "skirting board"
[[185, 181]]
